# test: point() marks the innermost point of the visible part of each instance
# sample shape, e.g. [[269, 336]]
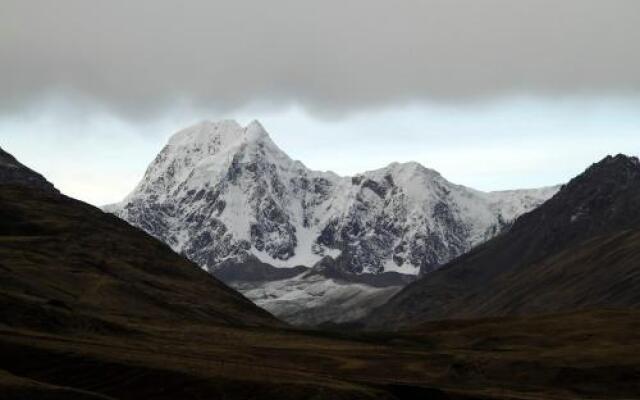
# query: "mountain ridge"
[[569, 253], [12, 172]]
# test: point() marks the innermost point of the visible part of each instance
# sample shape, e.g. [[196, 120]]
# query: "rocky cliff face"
[[223, 194]]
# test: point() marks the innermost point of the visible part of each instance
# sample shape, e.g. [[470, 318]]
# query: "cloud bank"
[[330, 56]]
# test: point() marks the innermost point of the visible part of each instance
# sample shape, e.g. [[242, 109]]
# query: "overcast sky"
[[492, 93]]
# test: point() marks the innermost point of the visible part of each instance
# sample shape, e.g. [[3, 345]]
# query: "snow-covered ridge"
[[220, 191]]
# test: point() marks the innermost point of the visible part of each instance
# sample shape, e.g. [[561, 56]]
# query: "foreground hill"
[[91, 308], [63, 260], [579, 250], [228, 197], [14, 172]]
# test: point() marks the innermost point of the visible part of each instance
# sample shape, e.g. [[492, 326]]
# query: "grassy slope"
[[59, 256], [576, 356], [601, 272]]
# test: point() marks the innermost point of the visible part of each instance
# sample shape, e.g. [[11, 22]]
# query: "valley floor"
[[593, 355]]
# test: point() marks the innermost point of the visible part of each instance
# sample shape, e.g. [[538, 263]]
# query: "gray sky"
[[330, 55], [92, 89]]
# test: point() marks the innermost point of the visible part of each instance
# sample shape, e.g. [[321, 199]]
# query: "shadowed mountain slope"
[[13, 172], [580, 249], [61, 259]]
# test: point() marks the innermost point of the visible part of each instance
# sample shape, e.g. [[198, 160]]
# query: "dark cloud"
[[331, 56]]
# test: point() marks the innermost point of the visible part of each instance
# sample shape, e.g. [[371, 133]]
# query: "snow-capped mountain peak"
[[408, 169], [220, 191], [229, 198], [208, 138], [255, 130]]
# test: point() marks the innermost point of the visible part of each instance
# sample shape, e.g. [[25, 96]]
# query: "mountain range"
[[309, 246], [93, 308], [579, 250]]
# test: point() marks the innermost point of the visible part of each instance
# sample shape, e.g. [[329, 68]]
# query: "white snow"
[[513, 203], [406, 268]]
